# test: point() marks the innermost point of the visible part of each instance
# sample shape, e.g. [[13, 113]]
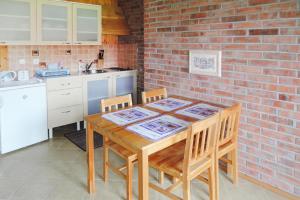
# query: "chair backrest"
[[201, 141], [154, 95], [229, 124], [115, 103]]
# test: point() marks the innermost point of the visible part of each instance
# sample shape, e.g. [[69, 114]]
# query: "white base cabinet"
[[72, 98], [65, 106]]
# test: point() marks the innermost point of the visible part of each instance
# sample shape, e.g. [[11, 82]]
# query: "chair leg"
[[129, 179], [105, 159], [212, 182], [217, 178], [161, 177], [229, 166], [235, 166], [174, 179], [186, 189]]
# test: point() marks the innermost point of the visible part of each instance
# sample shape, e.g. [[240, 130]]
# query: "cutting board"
[[3, 58]]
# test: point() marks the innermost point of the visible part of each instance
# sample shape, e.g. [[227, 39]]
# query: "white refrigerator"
[[23, 116]]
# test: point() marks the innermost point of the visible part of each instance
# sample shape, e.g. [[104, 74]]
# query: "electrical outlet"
[[22, 61], [36, 61]]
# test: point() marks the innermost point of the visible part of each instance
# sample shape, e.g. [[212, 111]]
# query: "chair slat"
[[154, 95]]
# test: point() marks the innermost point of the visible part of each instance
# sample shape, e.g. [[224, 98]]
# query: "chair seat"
[[170, 160], [225, 148], [121, 151]]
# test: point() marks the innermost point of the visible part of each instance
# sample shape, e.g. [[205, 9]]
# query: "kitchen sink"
[[98, 71]]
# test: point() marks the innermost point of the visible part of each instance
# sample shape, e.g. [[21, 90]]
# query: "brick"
[[260, 2], [191, 34], [246, 39], [198, 15], [234, 32], [168, 29], [210, 7], [221, 26], [290, 14], [263, 32], [280, 23], [289, 48], [248, 10], [280, 56], [234, 19]]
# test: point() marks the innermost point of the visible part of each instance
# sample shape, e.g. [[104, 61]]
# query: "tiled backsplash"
[[121, 55]]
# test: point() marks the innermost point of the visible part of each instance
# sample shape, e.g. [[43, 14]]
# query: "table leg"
[[90, 158], [143, 175]]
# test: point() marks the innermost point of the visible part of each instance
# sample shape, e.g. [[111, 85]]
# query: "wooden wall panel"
[[3, 58], [98, 2]]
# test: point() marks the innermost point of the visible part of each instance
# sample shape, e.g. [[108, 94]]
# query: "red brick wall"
[[260, 47], [133, 11]]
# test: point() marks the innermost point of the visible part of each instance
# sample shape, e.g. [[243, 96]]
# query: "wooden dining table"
[[134, 142]]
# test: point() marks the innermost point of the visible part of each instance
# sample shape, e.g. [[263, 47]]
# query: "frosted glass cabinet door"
[[86, 24], [17, 21], [125, 84], [54, 22], [97, 90]]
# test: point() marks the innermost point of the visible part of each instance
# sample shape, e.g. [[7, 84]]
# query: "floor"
[[56, 170]]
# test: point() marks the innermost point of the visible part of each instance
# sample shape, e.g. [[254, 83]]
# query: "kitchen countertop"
[[85, 74], [42, 80]]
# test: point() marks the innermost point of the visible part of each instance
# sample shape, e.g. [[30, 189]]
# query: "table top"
[[136, 142]]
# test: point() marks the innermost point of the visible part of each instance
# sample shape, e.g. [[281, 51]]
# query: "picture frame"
[[205, 62]]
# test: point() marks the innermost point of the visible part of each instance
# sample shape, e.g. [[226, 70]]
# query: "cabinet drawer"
[[63, 116], [64, 98], [63, 83]]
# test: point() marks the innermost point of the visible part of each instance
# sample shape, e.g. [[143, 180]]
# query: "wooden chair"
[[188, 159], [227, 143], [154, 95], [108, 105], [151, 96]]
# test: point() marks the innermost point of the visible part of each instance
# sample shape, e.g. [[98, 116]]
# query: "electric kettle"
[[7, 76]]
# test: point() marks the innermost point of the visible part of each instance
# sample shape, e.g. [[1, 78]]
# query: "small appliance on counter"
[[7, 76]]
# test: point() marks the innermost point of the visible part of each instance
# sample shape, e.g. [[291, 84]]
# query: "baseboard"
[[269, 187]]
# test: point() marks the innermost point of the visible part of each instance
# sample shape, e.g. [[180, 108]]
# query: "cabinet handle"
[[2, 42], [62, 84], [65, 112], [65, 94], [67, 43], [69, 84], [78, 43]]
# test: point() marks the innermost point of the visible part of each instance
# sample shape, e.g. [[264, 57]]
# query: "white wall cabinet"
[[17, 22], [49, 22], [86, 24], [54, 22]]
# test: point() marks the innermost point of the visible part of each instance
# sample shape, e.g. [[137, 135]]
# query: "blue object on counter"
[[56, 72]]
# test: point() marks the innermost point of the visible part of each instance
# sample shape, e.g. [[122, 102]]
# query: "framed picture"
[[205, 62]]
